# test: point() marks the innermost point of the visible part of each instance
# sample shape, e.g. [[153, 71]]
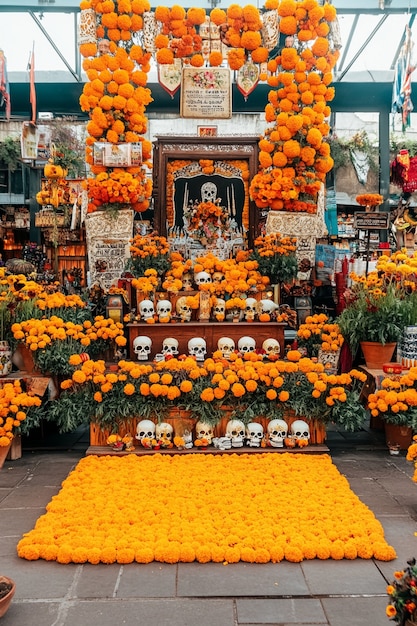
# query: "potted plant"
[[402, 595], [7, 590]]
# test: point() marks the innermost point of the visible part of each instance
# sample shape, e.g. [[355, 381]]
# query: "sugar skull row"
[[163, 310], [197, 347], [277, 435]]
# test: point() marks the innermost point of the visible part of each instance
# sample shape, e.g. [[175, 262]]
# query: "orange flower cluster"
[[396, 401], [14, 407], [335, 524], [294, 157], [316, 332], [116, 97], [179, 38], [369, 199]]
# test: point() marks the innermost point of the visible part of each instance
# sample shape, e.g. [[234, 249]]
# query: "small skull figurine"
[[267, 307], [250, 310], [219, 310], [204, 431], [226, 345], [235, 431], [202, 278], [246, 345], [277, 432], [183, 310], [146, 310], [300, 430], [218, 277], [142, 347], [271, 347], [170, 347], [187, 281], [197, 347], [254, 434], [164, 434], [145, 430], [164, 309]]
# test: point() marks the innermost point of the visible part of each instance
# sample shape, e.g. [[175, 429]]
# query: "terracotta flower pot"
[[376, 354], [7, 589], [401, 436]]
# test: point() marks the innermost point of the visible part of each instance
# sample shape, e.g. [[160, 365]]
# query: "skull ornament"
[[250, 309], [235, 431], [218, 277], [208, 192], [271, 347], [170, 346], [267, 307], [142, 347], [183, 310], [219, 310], [202, 278], [254, 434], [226, 345], [187, 281], [300, 430], [145, 430], [204, 431], [164, 309], [277, 432], [146, 310], [246, 345], [197, 347], [164, 434]]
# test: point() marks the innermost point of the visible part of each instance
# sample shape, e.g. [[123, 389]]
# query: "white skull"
[[267, 306], [145, 428], [246, 345], [250, 309], [146, 309], [226, 345], [219, 310], [218, 277], [142, 347], [204, 431], [254, 434], [202, 278], [170, 346], [235, 431], [208, 192], [197, 347], [271, 347], [300, 430], [184, 311], [277, 432], [163, 309], [164, 433], [187, 281]]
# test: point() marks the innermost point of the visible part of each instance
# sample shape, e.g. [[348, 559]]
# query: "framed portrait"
[[207, 131]]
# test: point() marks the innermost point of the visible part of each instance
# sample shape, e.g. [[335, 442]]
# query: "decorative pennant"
[[270, 29], [169, 77], [247, 77]]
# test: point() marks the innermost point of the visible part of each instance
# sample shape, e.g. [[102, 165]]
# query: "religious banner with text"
[[206, 93]]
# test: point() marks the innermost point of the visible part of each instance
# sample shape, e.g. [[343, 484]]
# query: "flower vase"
[[398, 436], [7, 590], [4, 451], [376, 354], [5, 359]]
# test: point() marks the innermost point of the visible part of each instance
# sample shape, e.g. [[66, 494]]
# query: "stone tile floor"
[[332, 593]]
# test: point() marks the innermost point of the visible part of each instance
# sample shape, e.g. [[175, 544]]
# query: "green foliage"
[[280, 268], [10, 152]]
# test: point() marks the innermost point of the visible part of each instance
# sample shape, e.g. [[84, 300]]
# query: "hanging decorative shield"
[[270, 29], [169, 77], [247, 78], [87, 27]]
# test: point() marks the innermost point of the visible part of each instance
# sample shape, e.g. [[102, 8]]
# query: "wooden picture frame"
[[226, 155]]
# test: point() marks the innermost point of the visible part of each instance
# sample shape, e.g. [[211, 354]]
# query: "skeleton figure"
[[254, 434], [250, 310], [202, 278], [183, 310], [204, 431], [277, 432], [222, 443], [226, 345], [219, 310], [300, 430], [164, 434], [145, 430], [235, 431], [187, 281], [271, 347], [146, 310], [142, 347], [170, 347], [246, 345], [164, 309], [197, 347]]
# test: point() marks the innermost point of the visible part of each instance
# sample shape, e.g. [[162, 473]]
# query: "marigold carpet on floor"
[[222, 508]]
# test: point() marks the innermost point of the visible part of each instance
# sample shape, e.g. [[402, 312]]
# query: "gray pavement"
[[333, 593]]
